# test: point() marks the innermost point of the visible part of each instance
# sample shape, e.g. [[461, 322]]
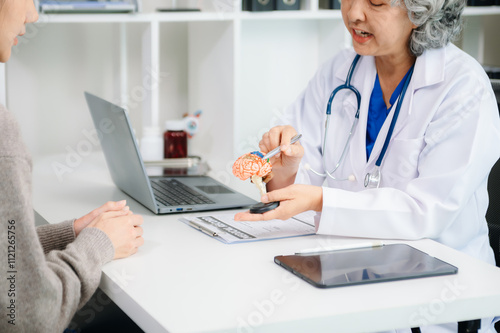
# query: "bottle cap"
[[151, 131], [175, 125]]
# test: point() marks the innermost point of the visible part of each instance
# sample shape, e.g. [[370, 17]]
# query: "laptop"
[[160, 194], [72, 6]]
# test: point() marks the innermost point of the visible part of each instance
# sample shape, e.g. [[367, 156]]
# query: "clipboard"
[[224, 228], [351, 267]]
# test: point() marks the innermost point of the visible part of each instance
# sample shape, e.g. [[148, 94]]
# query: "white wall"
[[277, 61], [492, 41], [47, 75], [480, 39]]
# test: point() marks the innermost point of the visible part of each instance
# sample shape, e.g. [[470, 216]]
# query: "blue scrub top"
[[377, 112]]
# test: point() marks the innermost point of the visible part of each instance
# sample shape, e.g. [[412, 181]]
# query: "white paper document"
[[224, 228]]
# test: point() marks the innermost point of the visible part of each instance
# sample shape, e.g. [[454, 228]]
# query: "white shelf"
[[136, 18], [189, 16], [321, 14], [482, 11], [92, 18]]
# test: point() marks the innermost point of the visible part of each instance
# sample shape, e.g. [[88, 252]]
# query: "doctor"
[[446, 138]]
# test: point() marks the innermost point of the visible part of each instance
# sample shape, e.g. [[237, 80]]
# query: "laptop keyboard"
[[171, 192]]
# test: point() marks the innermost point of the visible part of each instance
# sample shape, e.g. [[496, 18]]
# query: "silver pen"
[[203, 229], [278, 149], [353, 246]]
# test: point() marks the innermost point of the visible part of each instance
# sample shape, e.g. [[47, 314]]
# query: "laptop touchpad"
[[214, 189]]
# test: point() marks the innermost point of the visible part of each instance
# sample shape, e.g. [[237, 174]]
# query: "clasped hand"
[[117, 221]]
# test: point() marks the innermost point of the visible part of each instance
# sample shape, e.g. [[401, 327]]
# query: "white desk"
[[181, 280]]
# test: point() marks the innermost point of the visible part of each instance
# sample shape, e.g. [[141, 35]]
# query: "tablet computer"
[[365, 265]]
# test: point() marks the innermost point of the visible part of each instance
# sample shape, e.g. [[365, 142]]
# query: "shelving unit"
[[482, 11], [241, 68], [235, 14]]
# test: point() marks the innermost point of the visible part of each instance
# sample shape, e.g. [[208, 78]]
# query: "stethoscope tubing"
[[344, 151], [347, 86]]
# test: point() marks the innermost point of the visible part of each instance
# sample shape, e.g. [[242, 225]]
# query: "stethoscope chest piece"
[[372, 180]]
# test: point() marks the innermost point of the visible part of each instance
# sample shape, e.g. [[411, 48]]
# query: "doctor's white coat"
[[434, 173]]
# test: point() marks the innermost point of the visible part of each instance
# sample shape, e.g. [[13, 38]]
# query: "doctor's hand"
[[286, 163], [109, 206], [294, 199], [123, 229]]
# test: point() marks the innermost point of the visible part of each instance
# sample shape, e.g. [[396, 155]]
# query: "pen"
[[278, 149], [340, 247], [203, 229]]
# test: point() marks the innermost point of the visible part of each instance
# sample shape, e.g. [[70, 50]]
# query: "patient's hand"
[[84, 221], [124, 231]]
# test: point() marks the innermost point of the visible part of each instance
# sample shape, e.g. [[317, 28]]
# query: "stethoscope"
[[372, 179]]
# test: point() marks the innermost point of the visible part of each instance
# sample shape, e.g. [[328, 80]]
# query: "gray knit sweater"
[[46, 274]]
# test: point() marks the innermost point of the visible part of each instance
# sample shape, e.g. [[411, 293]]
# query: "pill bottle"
[[152, 144], [175, 139]]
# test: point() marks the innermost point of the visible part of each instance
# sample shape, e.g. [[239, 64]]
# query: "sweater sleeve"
[[56, 236], [41, 292]]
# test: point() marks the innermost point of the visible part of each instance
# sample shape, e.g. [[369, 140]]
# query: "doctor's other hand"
[[84, 221], [286, 163], [123, 229], [294, 199]]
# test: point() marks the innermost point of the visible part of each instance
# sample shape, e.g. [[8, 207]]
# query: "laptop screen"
[[120, 149]]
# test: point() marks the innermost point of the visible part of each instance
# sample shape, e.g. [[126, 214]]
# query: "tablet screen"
[[367, 265]]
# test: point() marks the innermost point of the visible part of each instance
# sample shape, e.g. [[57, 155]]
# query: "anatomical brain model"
[[252, 166]]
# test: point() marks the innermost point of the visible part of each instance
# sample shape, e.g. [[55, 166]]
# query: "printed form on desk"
[[224, 228]]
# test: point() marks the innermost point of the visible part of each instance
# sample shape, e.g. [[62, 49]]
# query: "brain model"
[[252, 166]]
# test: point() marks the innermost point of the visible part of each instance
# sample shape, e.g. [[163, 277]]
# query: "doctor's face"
[[377, 28], [14, 14]]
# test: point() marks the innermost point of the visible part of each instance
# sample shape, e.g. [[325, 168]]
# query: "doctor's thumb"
[[276, 195], [264, 198]]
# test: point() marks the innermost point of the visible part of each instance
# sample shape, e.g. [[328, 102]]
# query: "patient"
[[52, 270]]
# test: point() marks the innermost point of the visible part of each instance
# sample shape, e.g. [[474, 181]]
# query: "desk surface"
[[181, 280]]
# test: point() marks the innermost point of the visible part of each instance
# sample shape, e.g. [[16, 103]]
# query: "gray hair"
[[439, 22]]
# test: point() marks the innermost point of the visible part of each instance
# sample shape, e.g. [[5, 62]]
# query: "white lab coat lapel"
[[429, 69]]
